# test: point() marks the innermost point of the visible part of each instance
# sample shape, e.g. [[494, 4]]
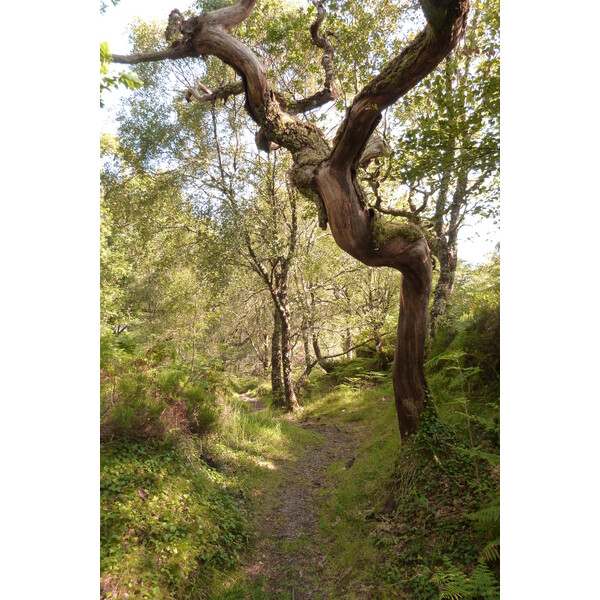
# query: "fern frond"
[[454, 583], [452, 591], [488, 516], [483, 583], [491, 552]]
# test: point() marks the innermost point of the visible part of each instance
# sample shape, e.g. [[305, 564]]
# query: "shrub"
[[463, 370], [134, 417], [200, 409], [147, 394], [169, 380]]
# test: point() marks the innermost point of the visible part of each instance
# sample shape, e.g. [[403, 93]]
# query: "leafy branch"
[[112, 79]]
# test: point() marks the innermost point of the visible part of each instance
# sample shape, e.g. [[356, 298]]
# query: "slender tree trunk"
[[306, 341], [448, 235], [448, 255], [314, 335], [194, 333], [347, 343], [448, 260], [265, 360], [379, 343], [291, 402], [323, 363], [276, 378]]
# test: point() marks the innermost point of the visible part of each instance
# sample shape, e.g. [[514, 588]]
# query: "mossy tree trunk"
[[326, 173]]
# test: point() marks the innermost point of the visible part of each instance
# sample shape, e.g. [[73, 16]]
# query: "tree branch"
[[289, 105], [173, 53], [228, 17], [446, 25], [396, 212], [222, 93]]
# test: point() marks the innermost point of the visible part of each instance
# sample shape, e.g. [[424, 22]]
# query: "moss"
[[384, 231], [432, 241], [304, 140]]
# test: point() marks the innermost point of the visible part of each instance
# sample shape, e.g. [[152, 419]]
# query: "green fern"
[[455, 585], [488, 519], [491, 552], [488, 515], [483, 583]]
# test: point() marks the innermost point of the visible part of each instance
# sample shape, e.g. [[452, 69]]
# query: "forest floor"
[[273, 506], [289, 555]]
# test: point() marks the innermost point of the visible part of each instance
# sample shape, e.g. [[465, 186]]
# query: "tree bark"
[[448, 253], [276, 378], [448, 259], [407, 374], [282, 304]]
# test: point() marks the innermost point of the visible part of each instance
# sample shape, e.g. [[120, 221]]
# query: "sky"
[[476, 239], [114, 22]]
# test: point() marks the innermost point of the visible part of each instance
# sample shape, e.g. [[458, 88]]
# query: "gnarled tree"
[[325, 171]]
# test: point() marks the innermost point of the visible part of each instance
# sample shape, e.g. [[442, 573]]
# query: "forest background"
[[50, 301]]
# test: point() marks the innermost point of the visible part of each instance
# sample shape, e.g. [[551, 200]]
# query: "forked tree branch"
[[446, 21], [207, 34], [292, 106]]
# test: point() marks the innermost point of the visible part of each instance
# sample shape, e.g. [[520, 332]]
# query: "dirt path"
[[287, 553], [255, 403]]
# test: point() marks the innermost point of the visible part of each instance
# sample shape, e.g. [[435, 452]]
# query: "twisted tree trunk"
[[327, 173], [408, 376]]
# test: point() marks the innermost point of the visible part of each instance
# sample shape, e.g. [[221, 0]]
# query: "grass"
[[175, 512], [346, 523], [184, 534]]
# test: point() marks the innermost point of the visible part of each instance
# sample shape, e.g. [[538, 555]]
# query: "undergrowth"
[[434, 541], [186, 465], [417, 522], [427, 525], [169, 522], [147, 393], [177, 492]]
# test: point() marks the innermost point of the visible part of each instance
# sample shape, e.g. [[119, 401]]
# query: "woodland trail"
[[287, 553]]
